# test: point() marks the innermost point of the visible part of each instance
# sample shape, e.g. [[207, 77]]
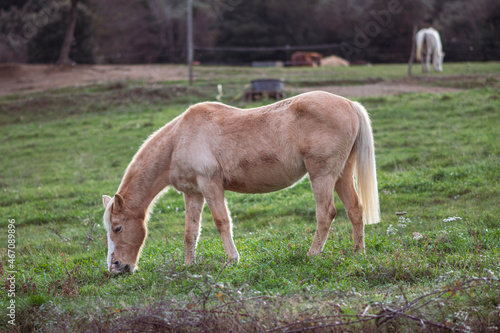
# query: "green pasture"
[[438, 159], [460, 75]]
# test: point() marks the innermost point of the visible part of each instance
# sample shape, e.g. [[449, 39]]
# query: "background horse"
[[306, 59], [429, 43], [213, 147]]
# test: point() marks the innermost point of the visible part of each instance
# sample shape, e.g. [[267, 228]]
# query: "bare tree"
[[68, 38], [162, 10], [412, 52]]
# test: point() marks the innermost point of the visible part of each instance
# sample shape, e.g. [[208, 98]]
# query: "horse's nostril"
[[126, 268], [116, 262]]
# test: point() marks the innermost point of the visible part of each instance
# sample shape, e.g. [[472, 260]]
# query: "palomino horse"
[[429, 43], [213, 147]]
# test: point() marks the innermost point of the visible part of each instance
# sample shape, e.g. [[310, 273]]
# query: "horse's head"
[[438, 63], [126, 234]]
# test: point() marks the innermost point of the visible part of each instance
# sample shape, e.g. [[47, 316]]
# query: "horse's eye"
[[118, 229]]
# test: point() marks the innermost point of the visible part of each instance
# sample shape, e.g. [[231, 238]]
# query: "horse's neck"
[[148, 173]]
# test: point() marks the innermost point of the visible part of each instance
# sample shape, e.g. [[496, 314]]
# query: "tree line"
[[238, 31]]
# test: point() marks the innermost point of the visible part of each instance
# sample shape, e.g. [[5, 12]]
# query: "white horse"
[[429, 43]]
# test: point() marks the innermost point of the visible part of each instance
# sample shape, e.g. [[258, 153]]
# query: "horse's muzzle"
[[117, 267]]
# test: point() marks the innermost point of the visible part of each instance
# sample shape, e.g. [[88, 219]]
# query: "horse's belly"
[[264, 179]]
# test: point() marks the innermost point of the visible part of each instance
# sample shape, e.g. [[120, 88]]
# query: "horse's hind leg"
[[325, 209], [194, 206], [213, 192], [428, 59], [347, 193]]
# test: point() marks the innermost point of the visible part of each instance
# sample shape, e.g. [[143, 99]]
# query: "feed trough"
[[265, 88]]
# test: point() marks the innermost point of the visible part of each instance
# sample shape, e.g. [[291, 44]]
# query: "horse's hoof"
[[359, 249], [189, 262], [233, 261]]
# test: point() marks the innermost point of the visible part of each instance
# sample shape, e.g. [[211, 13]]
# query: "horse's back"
[[430, 36], [321, 107], [284, 123]]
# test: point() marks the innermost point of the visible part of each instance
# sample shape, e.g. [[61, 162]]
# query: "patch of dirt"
[[18, 78]]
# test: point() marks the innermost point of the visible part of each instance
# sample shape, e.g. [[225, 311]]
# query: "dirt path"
[[17, 78]]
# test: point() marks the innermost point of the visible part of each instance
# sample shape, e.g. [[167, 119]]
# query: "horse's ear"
[[119, 203], [105, 200]]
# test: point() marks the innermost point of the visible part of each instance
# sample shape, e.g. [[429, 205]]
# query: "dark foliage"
[[46, 45], [149, 31]]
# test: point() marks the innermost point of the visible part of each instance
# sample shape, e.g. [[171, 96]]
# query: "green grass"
[[304, 76], [438, 156]]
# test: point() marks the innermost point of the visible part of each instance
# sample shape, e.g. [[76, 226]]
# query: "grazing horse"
[[213, 147], [306, 59], [429, 43]]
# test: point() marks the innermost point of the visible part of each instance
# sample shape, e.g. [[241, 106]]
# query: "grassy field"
[[460, 75], [436, 268]]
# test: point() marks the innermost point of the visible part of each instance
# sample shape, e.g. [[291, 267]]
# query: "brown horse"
[[306, 59], [213, 147]]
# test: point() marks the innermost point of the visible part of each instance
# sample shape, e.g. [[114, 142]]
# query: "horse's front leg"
[[194, 206], [213, 191]]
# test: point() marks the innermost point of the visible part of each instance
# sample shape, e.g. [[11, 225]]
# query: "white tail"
[[419, 39], [365, 172]]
